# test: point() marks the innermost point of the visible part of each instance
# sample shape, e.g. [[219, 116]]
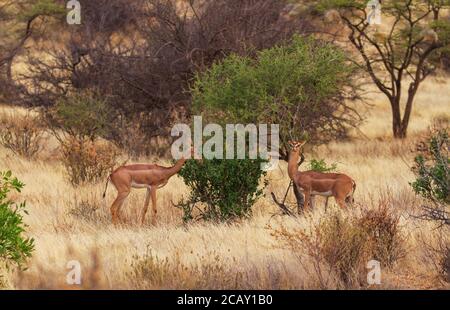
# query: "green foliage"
[[42, 8], [432, 169], [16, 21], [297, 85], [407, 33], [77, 121], [81, 115], [325, 5], [442, 29], [14, 247], [321, 166], [413, 40], [221, 189]]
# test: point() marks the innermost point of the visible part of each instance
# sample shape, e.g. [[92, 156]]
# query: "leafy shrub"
[[343, 245], [77, 122], [222, 189], [321, 166], [14, 247], [22, 134], [433, 183], [87, 161], [299, 85], [81, 116], [432, 168], [433, 174]]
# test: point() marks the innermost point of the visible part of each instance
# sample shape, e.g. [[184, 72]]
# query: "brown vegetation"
[[74, 223]]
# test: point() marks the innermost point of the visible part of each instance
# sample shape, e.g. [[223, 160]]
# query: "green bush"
[[433, 175], [321, 166], [83, 115], [15, 248], [77, 122], [299, 85], [433, 183], [221, 189], [432, 169]]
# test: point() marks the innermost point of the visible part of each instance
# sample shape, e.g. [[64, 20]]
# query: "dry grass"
[[73, 223]]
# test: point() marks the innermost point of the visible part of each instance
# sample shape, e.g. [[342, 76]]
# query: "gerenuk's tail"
[[106, 187], [353, 192], [350, 198]]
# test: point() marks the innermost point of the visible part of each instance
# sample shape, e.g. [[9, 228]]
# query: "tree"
[[404, 54], [19, 21], [301, 85], [142, 55]]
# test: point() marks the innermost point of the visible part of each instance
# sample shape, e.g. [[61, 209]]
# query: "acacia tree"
[[400, 58], [141, 56], [301, 86], [19, 21]]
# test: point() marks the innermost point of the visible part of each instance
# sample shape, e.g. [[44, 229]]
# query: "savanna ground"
[[71, 223]]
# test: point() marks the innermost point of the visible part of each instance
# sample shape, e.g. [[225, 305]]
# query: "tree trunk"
[[408, 107], [435, 14], [400, 131], [398, 128]]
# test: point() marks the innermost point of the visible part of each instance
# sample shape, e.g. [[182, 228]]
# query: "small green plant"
[[222, 189], [433, 175], [320, 165], [15, 248]]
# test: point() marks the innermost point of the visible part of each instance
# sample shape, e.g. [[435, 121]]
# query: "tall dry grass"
[[73, 223]]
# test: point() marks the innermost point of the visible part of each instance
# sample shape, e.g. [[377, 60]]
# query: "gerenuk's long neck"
[[176, 168], [292, 163]]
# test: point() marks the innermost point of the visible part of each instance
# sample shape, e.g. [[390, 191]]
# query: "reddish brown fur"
[[339, 185], [150, 176]]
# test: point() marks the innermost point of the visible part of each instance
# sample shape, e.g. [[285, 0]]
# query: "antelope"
[[312, 183], [149, 176]]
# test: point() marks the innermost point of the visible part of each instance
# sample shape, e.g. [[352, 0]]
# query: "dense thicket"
[[140, 56]]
